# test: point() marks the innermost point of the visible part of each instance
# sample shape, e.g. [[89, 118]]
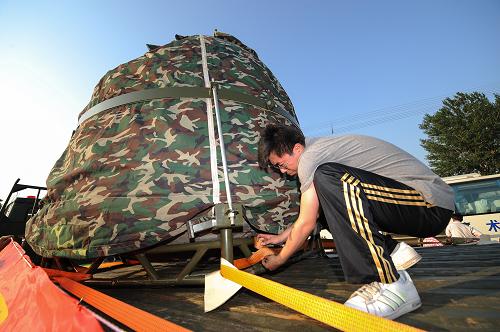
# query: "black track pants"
[[358, 206]]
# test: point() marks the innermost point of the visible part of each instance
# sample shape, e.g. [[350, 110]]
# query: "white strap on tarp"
[[211, 127], [223, 155]]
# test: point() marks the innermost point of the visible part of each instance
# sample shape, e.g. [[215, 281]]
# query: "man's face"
[[287, 163]]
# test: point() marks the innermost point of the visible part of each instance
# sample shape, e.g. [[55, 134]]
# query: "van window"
[[477, 197]]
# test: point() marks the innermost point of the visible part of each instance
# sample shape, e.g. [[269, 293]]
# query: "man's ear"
[[297, 148]]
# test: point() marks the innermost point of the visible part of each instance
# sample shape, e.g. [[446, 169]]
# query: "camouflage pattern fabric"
[[132, 176]]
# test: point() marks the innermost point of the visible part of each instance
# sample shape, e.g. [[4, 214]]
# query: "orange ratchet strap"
[[76, 276], [255, 258], [126, 314]]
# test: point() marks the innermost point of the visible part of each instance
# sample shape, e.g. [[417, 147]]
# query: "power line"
[[347, 123], [361, 120]]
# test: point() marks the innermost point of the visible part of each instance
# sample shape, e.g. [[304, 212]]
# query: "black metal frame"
[[16, 228]]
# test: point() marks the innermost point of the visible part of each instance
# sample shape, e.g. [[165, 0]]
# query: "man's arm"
[[448, 230], [303, 226], [475, 232]]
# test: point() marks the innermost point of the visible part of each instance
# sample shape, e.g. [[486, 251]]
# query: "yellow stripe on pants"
[[329, 312]]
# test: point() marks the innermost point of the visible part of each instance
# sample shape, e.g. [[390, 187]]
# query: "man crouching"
[[364, 186]]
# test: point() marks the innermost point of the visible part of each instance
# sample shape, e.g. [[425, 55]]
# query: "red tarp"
[[29, 301]]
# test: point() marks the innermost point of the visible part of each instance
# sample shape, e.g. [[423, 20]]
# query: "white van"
[[477, 199]]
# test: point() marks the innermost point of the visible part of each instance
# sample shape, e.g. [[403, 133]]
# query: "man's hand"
[[272, 262], [265, 239]]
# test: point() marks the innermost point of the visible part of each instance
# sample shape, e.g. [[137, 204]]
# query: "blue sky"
[[367, 67]]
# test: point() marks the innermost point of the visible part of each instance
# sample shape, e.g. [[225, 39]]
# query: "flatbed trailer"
[[459, 287]]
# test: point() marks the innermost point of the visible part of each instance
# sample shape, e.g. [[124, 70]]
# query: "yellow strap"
[[329, 312]]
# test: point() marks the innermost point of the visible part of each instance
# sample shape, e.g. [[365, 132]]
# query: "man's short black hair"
[[279, 139], [457, 216]]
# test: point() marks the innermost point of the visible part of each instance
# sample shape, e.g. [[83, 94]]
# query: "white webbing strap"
[[211, 128], [223, 155]]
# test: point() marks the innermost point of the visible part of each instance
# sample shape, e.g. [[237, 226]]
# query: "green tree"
[[464, 135]]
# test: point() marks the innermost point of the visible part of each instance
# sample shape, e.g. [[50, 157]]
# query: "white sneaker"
[[404, 256], [387, 300]]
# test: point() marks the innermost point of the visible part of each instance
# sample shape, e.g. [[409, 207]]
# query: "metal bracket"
[[193, 228], [224, 218]]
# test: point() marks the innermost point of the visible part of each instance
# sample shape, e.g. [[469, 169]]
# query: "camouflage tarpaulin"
[[134, 174]]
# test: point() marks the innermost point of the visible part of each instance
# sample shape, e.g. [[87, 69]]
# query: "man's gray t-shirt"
[[376, 156]]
